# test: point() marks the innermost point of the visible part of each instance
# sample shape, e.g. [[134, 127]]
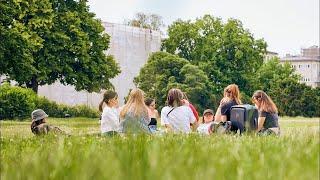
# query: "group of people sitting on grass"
[[139, 115]]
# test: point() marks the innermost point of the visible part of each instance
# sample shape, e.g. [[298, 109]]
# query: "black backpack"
[[245, 116]]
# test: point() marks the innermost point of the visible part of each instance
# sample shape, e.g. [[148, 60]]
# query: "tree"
[[282, 84], [227, 52], [149, 21], [52, 40], [164, 71]]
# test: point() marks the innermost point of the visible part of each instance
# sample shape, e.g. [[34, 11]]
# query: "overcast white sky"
[[286, 25]]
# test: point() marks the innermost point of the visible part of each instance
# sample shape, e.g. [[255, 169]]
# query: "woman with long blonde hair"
[[134, 116], [268, 114], [231, 97]]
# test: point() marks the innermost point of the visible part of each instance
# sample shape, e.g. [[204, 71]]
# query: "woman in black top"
[[153, 113], [231, 98], [268, 114]]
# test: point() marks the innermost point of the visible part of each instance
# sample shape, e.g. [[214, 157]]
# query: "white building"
[[131, 47], [307, 65]]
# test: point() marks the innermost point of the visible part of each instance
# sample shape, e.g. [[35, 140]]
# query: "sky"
[[286, 25]]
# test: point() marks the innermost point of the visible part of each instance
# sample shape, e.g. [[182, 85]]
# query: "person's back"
[[179, 118], [132, 124], [134, 117]]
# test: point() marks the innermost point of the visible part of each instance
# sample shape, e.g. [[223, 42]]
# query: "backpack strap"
[[170, 112]]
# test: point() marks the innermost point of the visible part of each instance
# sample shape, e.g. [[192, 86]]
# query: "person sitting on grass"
[[268, 114], [134, 117], [207, 120], [176, 116], [153, 113], [231, 97], [110, 122], [39, 124]]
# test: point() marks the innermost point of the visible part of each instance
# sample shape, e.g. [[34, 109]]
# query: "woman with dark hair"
[[110, 113], [268, 114], [39, 124], [177, 117], [153, 113]]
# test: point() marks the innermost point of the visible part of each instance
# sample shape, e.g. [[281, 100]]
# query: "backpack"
[[245, 117]]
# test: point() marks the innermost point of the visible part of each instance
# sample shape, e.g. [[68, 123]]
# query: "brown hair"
[[135, 104], [266, 103], [175, 97], [107, 96], [232, 92], [148, 101]]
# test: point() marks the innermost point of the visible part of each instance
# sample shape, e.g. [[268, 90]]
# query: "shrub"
[[16, 102]]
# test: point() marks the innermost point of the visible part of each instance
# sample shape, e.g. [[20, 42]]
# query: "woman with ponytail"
[[110, 113], [268, 114]]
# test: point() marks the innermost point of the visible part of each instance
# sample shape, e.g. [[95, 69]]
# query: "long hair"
[[135, 104], [175, 97], [265, 102], [232, 92], [107, 96]]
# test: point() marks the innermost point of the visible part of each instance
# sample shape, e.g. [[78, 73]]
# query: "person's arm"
[[260, 123], [218, 115], [192, 120], [194, 111], [224, 107], [164, 121]]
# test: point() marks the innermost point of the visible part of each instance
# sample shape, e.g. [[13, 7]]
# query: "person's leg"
[[266, 132]]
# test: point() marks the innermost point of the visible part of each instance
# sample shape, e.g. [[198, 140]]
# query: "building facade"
[[307, 65], [131, 47]]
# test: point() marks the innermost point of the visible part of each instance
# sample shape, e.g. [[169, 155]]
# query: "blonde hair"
[[135, 104], [266, 103], [232, 92]]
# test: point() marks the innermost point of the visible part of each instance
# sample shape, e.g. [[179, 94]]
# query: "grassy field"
[[86, 155]]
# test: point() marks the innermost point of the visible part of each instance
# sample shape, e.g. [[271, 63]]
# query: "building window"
[[299, 66], [308, 65]]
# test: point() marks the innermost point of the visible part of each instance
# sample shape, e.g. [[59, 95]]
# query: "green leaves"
[[164, 71], [227, 52], [49, 40]]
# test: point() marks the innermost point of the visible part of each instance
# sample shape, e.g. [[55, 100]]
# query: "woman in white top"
[[207, 121], [110, 113], [175, 116]]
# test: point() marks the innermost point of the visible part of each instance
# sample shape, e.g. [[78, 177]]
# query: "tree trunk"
[[33, 84]]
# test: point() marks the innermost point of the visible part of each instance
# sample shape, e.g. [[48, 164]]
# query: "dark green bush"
[[18, 102], [60, 110]]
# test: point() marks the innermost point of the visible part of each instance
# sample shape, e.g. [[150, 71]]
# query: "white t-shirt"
[[110, 119], [179, 118], [203, 128]]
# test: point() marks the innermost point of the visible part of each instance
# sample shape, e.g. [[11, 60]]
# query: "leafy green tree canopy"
[[227, 52], [47, 40], [164, 71]]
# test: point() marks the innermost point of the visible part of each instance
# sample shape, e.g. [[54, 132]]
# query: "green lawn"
[[86, 155]]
